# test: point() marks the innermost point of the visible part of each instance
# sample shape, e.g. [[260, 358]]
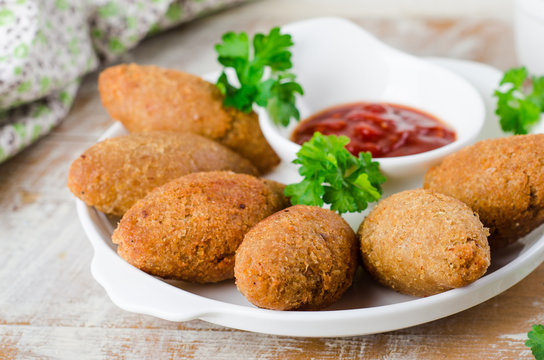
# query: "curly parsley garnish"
[[536, 341], [334, 176], [278, 92], [519, 102]]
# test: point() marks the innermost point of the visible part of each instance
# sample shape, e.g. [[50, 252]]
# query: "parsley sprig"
[[277, 93], [536, 341], [334, 176], [519, 102]]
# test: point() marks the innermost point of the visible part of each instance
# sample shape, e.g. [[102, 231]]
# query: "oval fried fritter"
[[147, 98], [501, 179], [303, 257], [113, 174], [190, 228], [422, 243]]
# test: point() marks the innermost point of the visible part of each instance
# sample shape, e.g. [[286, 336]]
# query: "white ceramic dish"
[[337, 62], [366, 308], [529, 34]]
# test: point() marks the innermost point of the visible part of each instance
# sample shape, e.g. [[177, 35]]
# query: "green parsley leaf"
[[334, 176], [233, 51], [270, 52], [515, 76], [519, 106], [281, 106], [537, 96], [309, 191], [536, 341]]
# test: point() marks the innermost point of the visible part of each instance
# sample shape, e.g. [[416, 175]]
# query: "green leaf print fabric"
[[47, 45]]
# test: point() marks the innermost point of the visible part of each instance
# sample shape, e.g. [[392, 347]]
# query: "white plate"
[[366, 307]]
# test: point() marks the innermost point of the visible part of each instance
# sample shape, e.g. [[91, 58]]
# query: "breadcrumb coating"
[[113, 174], [303, 257], [421, 243], [501, 179], [145, 98], [189, 229]]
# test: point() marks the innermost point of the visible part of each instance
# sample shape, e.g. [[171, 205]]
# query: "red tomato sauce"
[[385, 130]]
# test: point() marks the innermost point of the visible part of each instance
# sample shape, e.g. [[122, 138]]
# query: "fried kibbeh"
[[147, 98], [501, 179], [113, 174], [189, 229], [303, 257], [421, 243]]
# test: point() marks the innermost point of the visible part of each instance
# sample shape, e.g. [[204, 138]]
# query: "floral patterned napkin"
[[47, 45]]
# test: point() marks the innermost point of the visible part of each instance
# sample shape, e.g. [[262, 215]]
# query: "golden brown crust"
[[146, 98], [247, 139], [501, 179], [113, 174], [303, 257], [190, 228], [421, 243]]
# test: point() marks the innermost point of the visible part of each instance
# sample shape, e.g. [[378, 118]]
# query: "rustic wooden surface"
[[51, 307]]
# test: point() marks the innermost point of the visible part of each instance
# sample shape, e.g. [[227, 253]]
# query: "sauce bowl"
[[337, 62]]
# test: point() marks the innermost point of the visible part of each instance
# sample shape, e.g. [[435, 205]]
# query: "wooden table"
[[51, 307]]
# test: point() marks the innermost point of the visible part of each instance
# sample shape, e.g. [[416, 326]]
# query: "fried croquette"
[[501, 179], [303, 257], [113, 174], [147, 98], [421, 243], [190, 228]]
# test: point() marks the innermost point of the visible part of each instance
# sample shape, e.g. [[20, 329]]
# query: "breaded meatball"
[[303, 257], [190, 228], [147, 98], [501, 179], [113, 174], [422, 243]]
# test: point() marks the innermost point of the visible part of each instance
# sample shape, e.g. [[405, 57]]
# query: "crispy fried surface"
[[113, 174], [247, 139], [303, 257], [421, 243], [190, 228], [501, 179], [147, 98]]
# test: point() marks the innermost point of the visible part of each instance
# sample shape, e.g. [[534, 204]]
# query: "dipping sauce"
[[385, 130]]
